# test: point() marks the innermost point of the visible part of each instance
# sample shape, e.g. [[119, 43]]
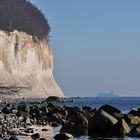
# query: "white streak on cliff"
[[26, 67]]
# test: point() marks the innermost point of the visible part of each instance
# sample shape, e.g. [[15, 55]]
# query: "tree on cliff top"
[[21, 15]]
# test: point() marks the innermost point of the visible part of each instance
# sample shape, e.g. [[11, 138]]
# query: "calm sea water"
[[125, 104]]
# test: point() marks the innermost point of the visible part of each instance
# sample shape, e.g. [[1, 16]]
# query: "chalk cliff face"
[[26, 67]]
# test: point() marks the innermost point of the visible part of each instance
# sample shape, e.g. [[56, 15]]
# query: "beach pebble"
[[42, 139], [13, 138], [63, 136], [35, 136], [44, 129]]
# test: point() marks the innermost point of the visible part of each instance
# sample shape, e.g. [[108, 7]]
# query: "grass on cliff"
[[23, 16]]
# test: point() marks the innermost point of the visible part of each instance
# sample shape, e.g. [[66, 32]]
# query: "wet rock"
[[35, 112], [23, 110], [45, 130], [135, 132], [101, 123], [14, 132], [87, 108], [59, 118], [88, 114], [118, 116], [54, 124], [38, 114], [63, 136], [29, 130], [76, 124], [63, 112], [7, 109], [110, 109], [1, 135], [35, 136], [42, 139], [43, 109], [134, 119], [28, 122], [133, 112], [77, 109], [51, 107], [54, 99], [58, 110], [14, 110], [138, 112], [13, 138], [127, 119], [120, 129]]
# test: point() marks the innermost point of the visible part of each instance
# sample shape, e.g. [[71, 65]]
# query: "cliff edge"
[[26, 67]]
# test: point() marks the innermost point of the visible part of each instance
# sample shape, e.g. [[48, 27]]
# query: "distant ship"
[[111, 94]]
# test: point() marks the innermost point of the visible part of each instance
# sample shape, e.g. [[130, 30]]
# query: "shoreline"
[[106, 121]]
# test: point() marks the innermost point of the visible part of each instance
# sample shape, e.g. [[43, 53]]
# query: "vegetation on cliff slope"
[[21, 15]]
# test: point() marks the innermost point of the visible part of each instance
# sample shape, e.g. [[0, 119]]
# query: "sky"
[[96, 45]]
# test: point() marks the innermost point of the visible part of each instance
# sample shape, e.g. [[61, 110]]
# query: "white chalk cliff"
[[26, 67]]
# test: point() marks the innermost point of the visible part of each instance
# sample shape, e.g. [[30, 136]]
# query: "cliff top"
[[23, 16]]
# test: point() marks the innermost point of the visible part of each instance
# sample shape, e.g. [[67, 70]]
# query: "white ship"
[[111, 94]]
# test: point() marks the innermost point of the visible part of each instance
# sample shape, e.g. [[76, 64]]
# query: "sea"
[[125, 104]]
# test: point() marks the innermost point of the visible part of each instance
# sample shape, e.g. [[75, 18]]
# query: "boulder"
[[23, 110], [13, 138], [138, 112], [120, 116], [45, 130], [76, 125], [87, 108], [133, 112], [14, 110], [88, 114], [110, 109], [42, 139], [54, 99], [29, 130], [134, 119], [56, 117], [34, 111], [120, 129], [101, 123], [7, 109], [52, 108], [135, 132], [63, 112], [63, 136], [127, 119], [35, 136]]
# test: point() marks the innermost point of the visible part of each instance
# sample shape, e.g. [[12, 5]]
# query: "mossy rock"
[[134, 119]]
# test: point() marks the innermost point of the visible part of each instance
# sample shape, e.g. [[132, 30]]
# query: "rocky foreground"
[[23, 118]]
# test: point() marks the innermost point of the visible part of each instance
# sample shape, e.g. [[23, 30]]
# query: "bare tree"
[[23, 16]]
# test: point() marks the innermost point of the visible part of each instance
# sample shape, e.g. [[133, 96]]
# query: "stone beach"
[[36, 120]]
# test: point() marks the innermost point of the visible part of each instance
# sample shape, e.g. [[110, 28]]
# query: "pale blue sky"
[[96, 45]]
